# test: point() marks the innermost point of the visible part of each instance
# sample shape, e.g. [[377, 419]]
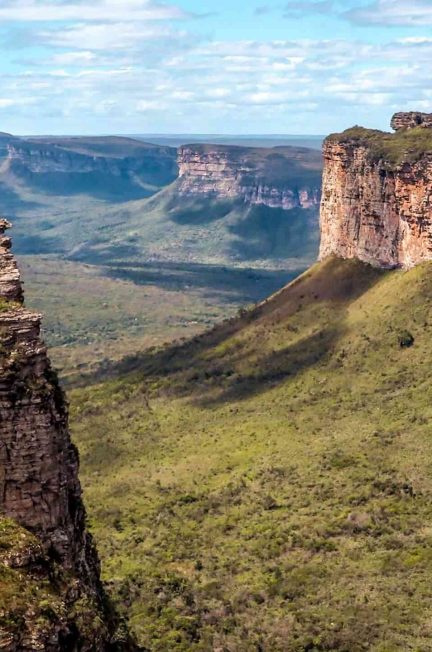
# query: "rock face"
[[39, 486], [410, 120], [282, 177], [373, 208], [10, 284]]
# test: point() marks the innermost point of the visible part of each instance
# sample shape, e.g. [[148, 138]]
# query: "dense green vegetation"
[[392, 148], [267, 486], [38, 599], [19, 591], [6, 304]]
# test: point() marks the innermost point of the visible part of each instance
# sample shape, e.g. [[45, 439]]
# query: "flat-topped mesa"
[[377, 195], [411, 120], [10, 281], [280, 177]]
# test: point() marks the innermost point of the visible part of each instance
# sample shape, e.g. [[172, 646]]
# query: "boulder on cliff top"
[[410, 120]]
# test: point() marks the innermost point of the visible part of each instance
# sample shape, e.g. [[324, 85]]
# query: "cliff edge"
[[377, 193], [42, 517], [280, 177]]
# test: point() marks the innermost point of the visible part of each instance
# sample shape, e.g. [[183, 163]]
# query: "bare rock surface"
[[251, 175], [39, 485], [410, 120], [373, 211]]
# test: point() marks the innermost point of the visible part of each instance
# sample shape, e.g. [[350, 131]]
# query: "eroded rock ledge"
[[410, 120]]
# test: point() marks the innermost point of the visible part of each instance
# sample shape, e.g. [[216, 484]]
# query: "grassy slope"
[[268, 486]]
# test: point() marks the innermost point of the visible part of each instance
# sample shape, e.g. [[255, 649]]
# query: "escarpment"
[[102, 166], [377, 194], [39, 486], [282, 177]]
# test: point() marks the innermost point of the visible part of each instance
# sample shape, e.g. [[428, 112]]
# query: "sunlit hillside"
[[267, 486]]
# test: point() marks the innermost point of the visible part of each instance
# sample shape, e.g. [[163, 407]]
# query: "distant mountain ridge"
[[111, 167]]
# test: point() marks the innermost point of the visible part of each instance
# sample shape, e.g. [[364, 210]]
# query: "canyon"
[[115, 168], [377, 194], [272, 475]]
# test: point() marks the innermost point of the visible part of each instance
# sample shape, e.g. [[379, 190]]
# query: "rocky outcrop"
[[410, 120], [377, 198], [10, 283], [282, 177], [39, 486]]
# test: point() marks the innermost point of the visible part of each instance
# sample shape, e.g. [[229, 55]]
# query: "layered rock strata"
[[377, 205], [410, 120], [39, 486], [10, 284], [280, 178]]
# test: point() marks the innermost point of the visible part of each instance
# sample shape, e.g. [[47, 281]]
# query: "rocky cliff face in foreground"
[[40, 492], [282, 177], [377, 194]]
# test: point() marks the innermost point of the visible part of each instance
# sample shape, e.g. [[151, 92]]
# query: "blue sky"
[[211, 66]]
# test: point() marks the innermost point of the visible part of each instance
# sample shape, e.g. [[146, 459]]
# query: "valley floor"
[[94, 315]]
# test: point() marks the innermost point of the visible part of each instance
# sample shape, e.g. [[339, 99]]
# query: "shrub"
[[406, 339]]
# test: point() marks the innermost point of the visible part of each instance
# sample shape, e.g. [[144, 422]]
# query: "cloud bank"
[[134, 66]]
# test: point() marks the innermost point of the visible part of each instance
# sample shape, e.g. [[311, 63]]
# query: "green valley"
[[98, 220]]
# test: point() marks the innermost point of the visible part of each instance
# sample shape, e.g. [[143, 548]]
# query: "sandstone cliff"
[[39, 487], [282, 177], [377, 194]]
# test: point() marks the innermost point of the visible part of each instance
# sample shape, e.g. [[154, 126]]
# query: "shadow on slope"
[[294, 329], [273, 232], [203, 229], [96, 184], [251, 284]]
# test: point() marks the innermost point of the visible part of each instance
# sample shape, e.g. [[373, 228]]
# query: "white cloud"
[[72, 58], [98, 10], [393, 12], [109, 36], [141, 72]]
